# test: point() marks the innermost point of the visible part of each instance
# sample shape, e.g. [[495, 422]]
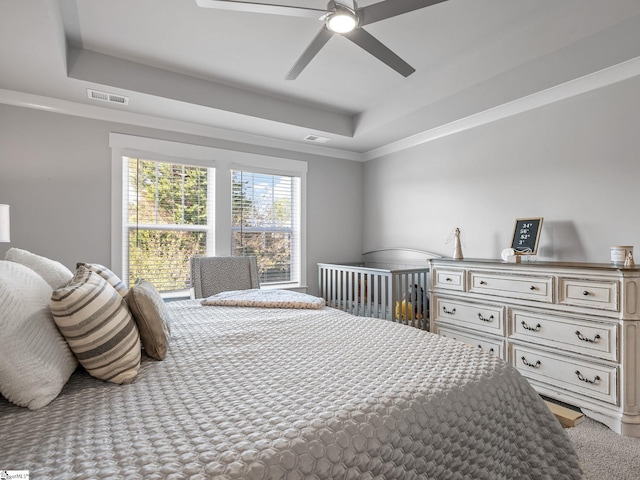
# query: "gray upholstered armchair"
[[211, 275]]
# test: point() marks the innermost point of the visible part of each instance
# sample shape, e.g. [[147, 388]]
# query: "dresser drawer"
[[528, 287], [592, 380], [572, 334], [448, 279], [587, 293], [477, 316], [489, 345]]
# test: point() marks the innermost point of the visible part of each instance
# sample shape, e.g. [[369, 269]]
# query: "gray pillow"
[[151, 315]]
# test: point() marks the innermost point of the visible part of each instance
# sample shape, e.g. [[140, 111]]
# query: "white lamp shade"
[[5, 235]]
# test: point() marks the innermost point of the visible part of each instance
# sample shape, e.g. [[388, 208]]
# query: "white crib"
[[389, 283]]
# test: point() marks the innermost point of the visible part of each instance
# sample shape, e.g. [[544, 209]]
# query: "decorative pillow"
[[272, 298], [152, 317], [55, 273], [108, 275], [98, 327], [35, 360]]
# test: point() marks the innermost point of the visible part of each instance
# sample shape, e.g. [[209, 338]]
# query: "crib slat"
[[374, 296]]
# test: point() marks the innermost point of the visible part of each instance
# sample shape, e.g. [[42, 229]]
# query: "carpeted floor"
[[605, 455]]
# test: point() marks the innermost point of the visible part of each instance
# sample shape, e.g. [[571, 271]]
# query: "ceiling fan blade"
[[255, 7], [368, 42], [314, 47], [391, 8]]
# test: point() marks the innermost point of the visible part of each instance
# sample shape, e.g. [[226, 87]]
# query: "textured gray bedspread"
[[259, 393]]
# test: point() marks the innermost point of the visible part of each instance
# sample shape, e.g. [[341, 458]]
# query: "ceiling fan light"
[[342, 22]]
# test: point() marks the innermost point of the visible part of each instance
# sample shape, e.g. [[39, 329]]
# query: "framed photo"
[[526, 235]]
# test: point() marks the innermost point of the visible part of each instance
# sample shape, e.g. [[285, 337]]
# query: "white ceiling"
[[219, 72]]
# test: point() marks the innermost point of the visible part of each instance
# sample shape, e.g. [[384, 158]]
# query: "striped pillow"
[[108, 275], [95, 321]]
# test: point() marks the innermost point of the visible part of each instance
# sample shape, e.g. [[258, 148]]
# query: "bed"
[[284, 393]]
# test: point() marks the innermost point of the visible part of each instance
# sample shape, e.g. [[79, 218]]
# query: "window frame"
[[223, 161], [129, 226], [293, 229]]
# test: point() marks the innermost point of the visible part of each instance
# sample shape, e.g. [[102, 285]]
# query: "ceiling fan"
[[344, 18]]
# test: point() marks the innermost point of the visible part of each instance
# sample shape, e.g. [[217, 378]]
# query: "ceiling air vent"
[[316, 139], [107, 97]]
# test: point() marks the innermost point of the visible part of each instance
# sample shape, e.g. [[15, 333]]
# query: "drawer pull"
[[482, 282], [585, 339], [491, 350], [448, 312], [586, 293], [532, 287], [586, 380], [532, 329], [532, 365], [448, 279], [485, 319]]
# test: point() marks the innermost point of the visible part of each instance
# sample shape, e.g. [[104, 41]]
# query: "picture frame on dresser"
[[526, 235]]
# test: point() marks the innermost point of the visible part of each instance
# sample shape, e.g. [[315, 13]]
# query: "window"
[[172, 201], [264, 212], [164, 221]]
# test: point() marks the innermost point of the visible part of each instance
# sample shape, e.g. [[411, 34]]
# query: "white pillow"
[[35, 360], [55, 273]]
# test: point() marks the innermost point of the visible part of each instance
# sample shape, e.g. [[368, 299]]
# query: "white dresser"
[[572, 329]]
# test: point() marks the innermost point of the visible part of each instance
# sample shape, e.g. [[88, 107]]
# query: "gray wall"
[[575, 162], [55, 172]]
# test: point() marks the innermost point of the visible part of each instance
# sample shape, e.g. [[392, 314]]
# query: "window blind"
[[265, 223], [165, 221]]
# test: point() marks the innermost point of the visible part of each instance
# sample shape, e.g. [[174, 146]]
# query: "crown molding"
[[593, 81], [65, 107]]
